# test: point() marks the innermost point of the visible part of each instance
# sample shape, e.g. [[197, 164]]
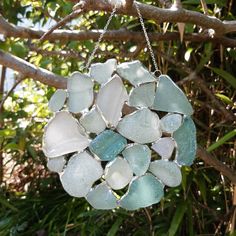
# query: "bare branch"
[[129, 3]]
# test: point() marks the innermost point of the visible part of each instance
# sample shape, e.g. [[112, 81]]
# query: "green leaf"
[[115, 227], [224, 98], [5, 203], [7, 133]]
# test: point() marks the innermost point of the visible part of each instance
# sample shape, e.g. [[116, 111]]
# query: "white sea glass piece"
[[62, 136], [171, 122], [118, 173], [80, 90], [110, 100], [164, 147], [135, 73], [102, 197], [93, 122], [57, 100], [80, 173], [142, 96], [167, 171], [139, 157], [56, 164], [102, 72], [142, 126]]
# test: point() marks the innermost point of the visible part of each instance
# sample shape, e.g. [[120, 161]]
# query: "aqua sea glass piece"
[[80, 174], [135, 73], [93, 122], [138, 157], [102, 72], [107, 145], [164, 147], [80, 90], [56, 164], [101, 197], [167, 171], [143, 192], [142, 126], [185, 138], [57, 100], [118, 173], [170, 98], [171, 122], [142, 96]]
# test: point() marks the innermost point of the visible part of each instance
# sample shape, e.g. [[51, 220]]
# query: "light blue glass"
[[57, 100], [171, 122]]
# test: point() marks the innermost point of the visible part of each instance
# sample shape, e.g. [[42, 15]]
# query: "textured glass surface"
[[171, 122], [185, 138], [80, 173], [57, 100], [139, 157], [167, 171], [107, 145], [56, 164], [143, 192], [170, 98]]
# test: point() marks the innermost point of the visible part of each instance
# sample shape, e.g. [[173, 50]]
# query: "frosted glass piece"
[[80, 174], [62, 136], [93, 122], [110, 100], [57, 100], [171, 122], [102, 197], [118, 173], [107, 145], [142, 126], [56, 164], [170, 98], [138, 157], [143, 192], [80, 90], [142, 96], [167, 171], [164, 147], [135, 73], [185, 138], [102, 72]]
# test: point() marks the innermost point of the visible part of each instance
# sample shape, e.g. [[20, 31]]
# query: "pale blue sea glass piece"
[[142, 96], [170, 98], [139, 157], [107, 145], [101, 197], [185, 138], [102, 72], [167, 171], [142, 126], [118, 173], [56, 164], [143, 192], [135, 73], [57, 100], [171, 122], [93, 122]]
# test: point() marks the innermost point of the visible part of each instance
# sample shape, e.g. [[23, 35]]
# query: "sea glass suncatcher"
[[109, 155]]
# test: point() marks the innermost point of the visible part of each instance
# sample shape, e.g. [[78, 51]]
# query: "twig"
[[204, 6]]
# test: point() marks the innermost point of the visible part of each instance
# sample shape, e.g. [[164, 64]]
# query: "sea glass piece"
[[118, 173], [185, 138], [171, 122], [142, 96], [102, 197], [80, 173], [170, 98], [110, 100], [142, 126], [143, 192], [107, 145], [62, 136], [102, 72], [135, 73], [56, 164], [93, 122], [138, 157], [57, 100], [164, 147], [167, 171], [80, 90]]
